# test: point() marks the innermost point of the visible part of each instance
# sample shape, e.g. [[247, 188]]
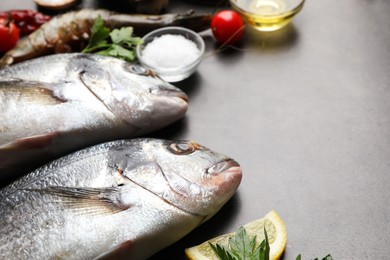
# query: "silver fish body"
[[57, 104], [124, 199]]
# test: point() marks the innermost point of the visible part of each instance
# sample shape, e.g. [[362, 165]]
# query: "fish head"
[[184, 174], [133, 93]]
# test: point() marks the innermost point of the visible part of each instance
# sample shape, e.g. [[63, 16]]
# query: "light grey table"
[[306, 112]]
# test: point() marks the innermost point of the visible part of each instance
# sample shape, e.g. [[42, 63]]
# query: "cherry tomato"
[[227, 27], [9, 35]]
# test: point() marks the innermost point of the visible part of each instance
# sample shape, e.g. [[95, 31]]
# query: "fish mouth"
[[229, 166], [179, 94], [225, 176], [170, 93]]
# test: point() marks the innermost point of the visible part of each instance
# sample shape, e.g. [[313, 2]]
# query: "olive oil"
[[267, 15], [267, 7]]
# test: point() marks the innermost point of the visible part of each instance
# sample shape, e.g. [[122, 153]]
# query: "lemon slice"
[[276, 231]]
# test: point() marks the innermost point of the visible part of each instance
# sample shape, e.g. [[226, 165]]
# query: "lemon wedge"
[[276, 231]]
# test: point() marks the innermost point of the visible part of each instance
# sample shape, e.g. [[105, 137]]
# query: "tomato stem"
[[9, 19]]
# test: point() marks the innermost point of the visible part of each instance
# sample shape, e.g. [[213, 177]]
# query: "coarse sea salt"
[[169, 51]]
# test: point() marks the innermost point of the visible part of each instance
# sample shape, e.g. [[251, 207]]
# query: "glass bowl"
[[267, 15], [174, 53]]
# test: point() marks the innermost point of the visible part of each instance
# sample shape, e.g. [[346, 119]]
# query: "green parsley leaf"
[[221, 252], [118, 43], [328, 257], [242, 247], [134, 41], [121, 35], [99, 34], [117, 51], [264, 247]]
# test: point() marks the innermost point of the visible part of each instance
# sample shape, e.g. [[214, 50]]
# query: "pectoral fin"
[[33, 92], [25, 154], [94, 201], [31, 142], [123, 251]]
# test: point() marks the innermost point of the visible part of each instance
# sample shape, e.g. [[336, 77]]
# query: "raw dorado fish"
[[124, 199], [56, 104]]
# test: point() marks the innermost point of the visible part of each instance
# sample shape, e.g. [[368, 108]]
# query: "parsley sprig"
[[328, 257], [117, 43], [242, 247]]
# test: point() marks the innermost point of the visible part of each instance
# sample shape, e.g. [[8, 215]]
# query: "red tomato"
[[227, 27], [9, 35]]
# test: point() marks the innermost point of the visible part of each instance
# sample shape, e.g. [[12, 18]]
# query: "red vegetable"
[[26, 20], [227, 27], [9, 35]]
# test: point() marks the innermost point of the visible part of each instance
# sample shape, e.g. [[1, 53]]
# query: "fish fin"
[[34, 92], [93, 201], [122, 251], [31, 142]]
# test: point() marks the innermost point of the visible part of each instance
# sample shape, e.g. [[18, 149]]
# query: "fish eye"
[[182, 148], [138, 69]]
